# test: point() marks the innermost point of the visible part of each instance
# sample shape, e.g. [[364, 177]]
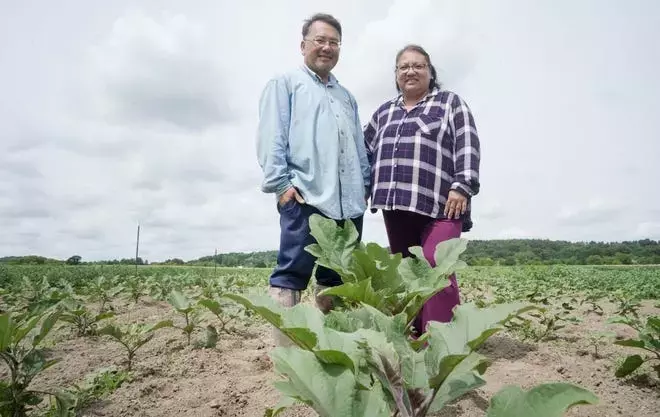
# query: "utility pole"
[[137, 248]]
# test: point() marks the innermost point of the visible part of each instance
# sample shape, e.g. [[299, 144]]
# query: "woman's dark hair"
[[416, 48]]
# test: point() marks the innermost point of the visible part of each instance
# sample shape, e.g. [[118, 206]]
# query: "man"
[[311, 149]]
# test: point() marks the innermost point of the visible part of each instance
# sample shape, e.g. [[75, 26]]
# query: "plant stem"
[[426, 405]]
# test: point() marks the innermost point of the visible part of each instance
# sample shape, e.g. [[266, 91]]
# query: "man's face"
[[321, 48]]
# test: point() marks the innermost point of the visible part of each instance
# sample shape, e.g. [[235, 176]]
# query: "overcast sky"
[[126, 112]]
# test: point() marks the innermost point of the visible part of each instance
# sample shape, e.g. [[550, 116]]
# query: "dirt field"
[[235, 378]]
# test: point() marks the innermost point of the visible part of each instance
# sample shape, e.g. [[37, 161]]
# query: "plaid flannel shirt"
[[418, 156]]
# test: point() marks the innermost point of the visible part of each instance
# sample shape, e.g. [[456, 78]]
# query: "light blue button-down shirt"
[[310, 137]]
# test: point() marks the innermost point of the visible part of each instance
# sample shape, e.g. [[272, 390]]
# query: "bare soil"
[[235, 379]]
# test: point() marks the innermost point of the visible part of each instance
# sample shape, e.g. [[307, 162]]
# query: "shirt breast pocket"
[[430, 125], [348, 112]]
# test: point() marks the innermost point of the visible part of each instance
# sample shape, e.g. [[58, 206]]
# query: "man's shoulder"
[[282, 77]]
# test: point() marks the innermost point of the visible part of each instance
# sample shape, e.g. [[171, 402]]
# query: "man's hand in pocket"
[[289, 194]]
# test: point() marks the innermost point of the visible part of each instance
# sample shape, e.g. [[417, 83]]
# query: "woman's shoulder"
[[449, 97], [386, 105]]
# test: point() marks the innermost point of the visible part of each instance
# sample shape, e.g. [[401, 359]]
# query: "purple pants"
[[406, 229]]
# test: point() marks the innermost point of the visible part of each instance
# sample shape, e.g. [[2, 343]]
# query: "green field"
[[109, 309], [510, 282]]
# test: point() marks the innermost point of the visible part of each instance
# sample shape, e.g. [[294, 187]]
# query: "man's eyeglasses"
[[321, 42], [414, 67]]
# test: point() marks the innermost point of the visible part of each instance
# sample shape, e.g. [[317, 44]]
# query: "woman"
[[424, 153]]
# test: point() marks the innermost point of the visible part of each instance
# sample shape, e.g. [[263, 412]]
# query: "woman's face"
[[413, 74]]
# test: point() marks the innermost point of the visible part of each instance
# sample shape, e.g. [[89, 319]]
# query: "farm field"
[[208, 356]]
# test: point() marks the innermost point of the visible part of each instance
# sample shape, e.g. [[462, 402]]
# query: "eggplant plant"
[[365, 359], [133, 337], [187, 309], [21, 335], [647, 340], [83, 320]]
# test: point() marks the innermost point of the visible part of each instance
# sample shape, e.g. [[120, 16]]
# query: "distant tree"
[[595, 260], [74, 260]]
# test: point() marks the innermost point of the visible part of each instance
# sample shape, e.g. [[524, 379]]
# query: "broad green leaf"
[[112, 331], [46, 327], [630, 343], [20, 329], [180, 302], [6, 331], [343, 322], [384, 361], [211, 337], [263, 305], [462, 379], [334, 244], [446, 256], [375, 262], [412, 303], [413, 369], [470, 328], [360, 292], [305, 325], [331, 390], [653, 325], [103, 316], [546, 400], [621, 320], [212, 305], [629, 366], [445, 367], [160, 325], [64, 404], [336, 357]]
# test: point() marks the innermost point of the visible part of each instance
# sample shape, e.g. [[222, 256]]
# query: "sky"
[[120, 113]]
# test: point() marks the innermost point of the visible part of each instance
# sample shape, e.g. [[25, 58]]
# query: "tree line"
[[503, 252], [478, 253]]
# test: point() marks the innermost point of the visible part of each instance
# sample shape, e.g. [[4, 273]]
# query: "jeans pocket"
[[289, 205]]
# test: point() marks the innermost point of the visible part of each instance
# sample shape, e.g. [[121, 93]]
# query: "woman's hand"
[[456, 205]]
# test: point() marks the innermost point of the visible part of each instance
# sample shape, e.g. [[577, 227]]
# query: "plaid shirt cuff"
[[462, 188]]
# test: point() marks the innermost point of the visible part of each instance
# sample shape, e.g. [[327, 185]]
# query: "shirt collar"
[[398, 100], [332, 80]]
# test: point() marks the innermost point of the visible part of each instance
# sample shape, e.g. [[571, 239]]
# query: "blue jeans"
[[294, 264]]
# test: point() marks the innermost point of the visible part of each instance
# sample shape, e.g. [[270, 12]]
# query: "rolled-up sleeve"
[[272, 136], [467, 149]]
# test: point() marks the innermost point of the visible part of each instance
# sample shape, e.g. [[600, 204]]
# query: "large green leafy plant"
[[647, 340], [361, 359], [21, 337]]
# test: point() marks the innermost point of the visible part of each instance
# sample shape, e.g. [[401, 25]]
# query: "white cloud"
[[593, 213], [648, 230], [122, 117], [160, 70]]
